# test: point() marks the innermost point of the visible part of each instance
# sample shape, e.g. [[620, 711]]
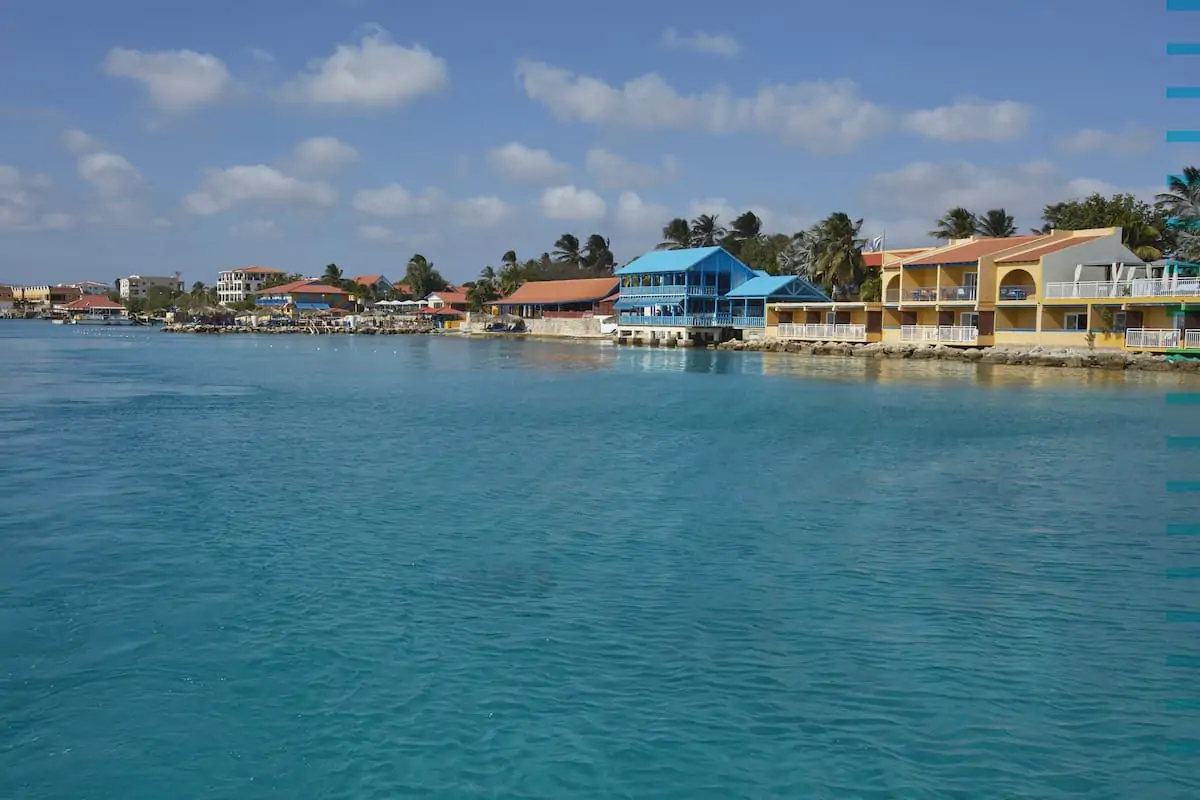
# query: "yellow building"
[[1062, 289]]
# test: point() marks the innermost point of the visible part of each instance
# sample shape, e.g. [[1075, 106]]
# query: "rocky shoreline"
[[1016, 356]]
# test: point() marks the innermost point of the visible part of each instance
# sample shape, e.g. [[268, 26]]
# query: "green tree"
[[1144, 228], [957, 223], [422, 278], [763, 252], [332, 275], [598, 256], [281, 279], [839, 261], [485, 290], [567, 251], [707, 231], [996, 223], [677, 235], [747, 227]]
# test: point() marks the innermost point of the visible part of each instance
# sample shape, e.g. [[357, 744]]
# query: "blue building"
[[701, 293]]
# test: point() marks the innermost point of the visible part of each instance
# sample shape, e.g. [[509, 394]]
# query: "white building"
[[236, 285], [91, 287], [134, 286]]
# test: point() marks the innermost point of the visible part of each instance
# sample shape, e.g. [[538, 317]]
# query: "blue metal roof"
[[773, 286], [667, 261], [761, 273]]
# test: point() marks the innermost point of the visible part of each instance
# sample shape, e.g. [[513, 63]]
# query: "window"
[[830, 317], [969, 319], [1119, 322], [1075, 321]]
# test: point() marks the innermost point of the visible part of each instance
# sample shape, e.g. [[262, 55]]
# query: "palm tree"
[[747, 227], [364, 292], [957, 223], [510, 278], [996, 223], [509, 258], [567, 251], [198, 289], [422, 278], [800, 256], [597, 255], [839, 261], [332, 275], [677, 235], [706, 231], [1182, 198]]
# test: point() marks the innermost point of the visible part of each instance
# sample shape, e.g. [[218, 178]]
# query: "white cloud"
[[255, 228], [78, 143], [911, 199], [111, 174], [24, 200], [718, 44], [1131, 141], [972, 122], [223, 189], [570, 203], [825, 117], [482, 212], [382, 235], [176, 80], [614, 172], [376, 73], [258, 54], [396, 201], [635, 214], [321, 155], [520, 163]]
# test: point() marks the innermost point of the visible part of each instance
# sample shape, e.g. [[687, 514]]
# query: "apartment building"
[[237, 285], [132, 287]]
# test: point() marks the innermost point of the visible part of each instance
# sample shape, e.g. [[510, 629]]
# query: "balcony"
[[1162, 339], [824, 333], [1017, 294], [740, 321], [939, 334], [668, 291], [1138, 287], [679, 320], [958, 293]]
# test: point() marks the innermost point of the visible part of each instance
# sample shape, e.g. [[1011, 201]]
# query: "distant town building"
[[44, 297], [91, 287], [136, 286], [237, 285], [379, 283], [6, 301]]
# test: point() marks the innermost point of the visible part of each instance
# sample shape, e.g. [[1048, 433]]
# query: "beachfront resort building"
[[240, 284], [702, 294], [301, 296], [94, 307], [43, 298], [379, 283], [132, 287], [452, 298], [1063, 289], [565, 299]]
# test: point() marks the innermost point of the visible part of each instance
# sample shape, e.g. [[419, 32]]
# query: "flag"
[[877, 243]]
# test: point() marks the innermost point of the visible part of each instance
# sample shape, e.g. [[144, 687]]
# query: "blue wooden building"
[[700, 293]]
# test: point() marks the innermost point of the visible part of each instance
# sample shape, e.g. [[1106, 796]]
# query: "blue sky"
[[143, 136]]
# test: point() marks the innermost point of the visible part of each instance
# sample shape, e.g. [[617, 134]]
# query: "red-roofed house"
[[93, 309], [450, 298], [303, 296], [578, 297], [379, 283]]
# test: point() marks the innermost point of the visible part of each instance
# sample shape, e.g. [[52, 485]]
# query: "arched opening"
[[1017, 285], [891, 292]]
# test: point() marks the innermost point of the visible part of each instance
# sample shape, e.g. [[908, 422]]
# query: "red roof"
[[368, 280], [969, 252], [572, 290], [270, 270], [450, 296], [1050, 247], [92, 302], [439, 312], [875, 258], [303, 287]]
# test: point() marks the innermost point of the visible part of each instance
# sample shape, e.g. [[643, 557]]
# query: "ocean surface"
[[383, 567]]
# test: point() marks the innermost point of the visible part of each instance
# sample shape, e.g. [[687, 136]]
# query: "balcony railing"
[[1162, 339], [1017, 293], [668, 291], [958, 292], [1139, 287], [945, 334], [825, 333], [679, 320], [741, 321]]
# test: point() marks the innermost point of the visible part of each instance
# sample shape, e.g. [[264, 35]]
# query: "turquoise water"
[[312, 567]]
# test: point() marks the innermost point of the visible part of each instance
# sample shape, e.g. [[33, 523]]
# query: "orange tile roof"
[[367, 280], [451, 296], [303, 287], [969, 252], [1048, 248], [92, 302], [572, 290], [875, 258]]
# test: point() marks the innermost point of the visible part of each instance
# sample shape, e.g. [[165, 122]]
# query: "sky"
[[141, 136]]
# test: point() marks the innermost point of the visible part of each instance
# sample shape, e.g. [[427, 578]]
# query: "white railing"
[[1162, 339], [949, 334], [1138, 287], [841, 332]]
